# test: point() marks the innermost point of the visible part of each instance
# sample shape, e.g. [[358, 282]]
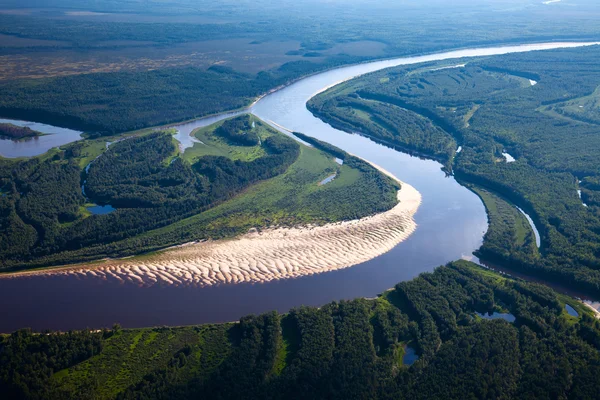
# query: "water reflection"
[[54, 137], [100, 210], [410, 356], [571, 311], [496, 315]]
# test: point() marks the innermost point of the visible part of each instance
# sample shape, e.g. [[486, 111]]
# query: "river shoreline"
[[451, 223], [258, 257]]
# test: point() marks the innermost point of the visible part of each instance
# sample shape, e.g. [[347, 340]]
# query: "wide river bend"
[[451, 223]]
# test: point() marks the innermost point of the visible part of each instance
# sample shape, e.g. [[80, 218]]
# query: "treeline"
[[124, 101], [16, 132], [490, 107], [355, 349], [324, 146], [109, 103]]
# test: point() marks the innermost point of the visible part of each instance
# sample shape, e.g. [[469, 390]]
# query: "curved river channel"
[[451, 224]]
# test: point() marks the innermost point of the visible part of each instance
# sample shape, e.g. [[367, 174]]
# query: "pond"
[[508, 157], [496, 315], [410, 356], [571, 311], [100, 210], [536, 233], [327, 180]]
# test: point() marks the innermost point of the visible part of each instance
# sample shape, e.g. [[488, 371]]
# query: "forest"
[[350, 349], [509, 104], [161, 197], [10, 131]]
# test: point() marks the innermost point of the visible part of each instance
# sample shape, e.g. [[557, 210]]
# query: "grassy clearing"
[[470, 113], [91, 150], [214, 145], [281, 200], [585, 109]]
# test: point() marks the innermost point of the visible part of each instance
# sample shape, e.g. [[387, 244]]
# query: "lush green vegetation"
[[119, 102], [163, 198], [509, 234], [238, 131], [14, 132], [214, 144], [489, 107], [351, 349]]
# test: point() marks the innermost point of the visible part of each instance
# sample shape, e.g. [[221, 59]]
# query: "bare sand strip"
[[594, 306], [272, 254]]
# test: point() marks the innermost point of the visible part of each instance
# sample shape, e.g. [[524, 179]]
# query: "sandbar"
[[262, 255]]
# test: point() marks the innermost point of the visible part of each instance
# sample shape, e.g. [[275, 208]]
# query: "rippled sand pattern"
[[276, 253]]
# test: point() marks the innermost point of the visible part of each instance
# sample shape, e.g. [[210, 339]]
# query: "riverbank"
[[263, 256], [451, 224]]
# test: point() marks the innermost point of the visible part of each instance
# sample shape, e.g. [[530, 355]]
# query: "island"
[[14, 132]]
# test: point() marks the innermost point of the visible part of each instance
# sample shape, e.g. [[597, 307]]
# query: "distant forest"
[[106, 68], [429, 338]]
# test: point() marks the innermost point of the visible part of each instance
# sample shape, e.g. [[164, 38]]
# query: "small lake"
[[508, 157], [580, 198], [327, 180], [54, 137], [410, 356], [100, 210], [496, 315], [571, 311]]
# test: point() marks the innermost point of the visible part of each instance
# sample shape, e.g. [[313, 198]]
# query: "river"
[[451, 224], [54, 137]]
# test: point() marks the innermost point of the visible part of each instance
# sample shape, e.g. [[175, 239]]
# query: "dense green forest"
[[162, 198], [239, 131], [14, 132], [351, 349], [521, 104], [119, 102]]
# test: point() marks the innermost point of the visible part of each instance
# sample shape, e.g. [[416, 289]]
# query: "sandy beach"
[[594, 306], [262, 256]]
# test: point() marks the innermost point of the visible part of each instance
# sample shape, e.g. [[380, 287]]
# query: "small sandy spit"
[[594, 306], [272, 254]]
